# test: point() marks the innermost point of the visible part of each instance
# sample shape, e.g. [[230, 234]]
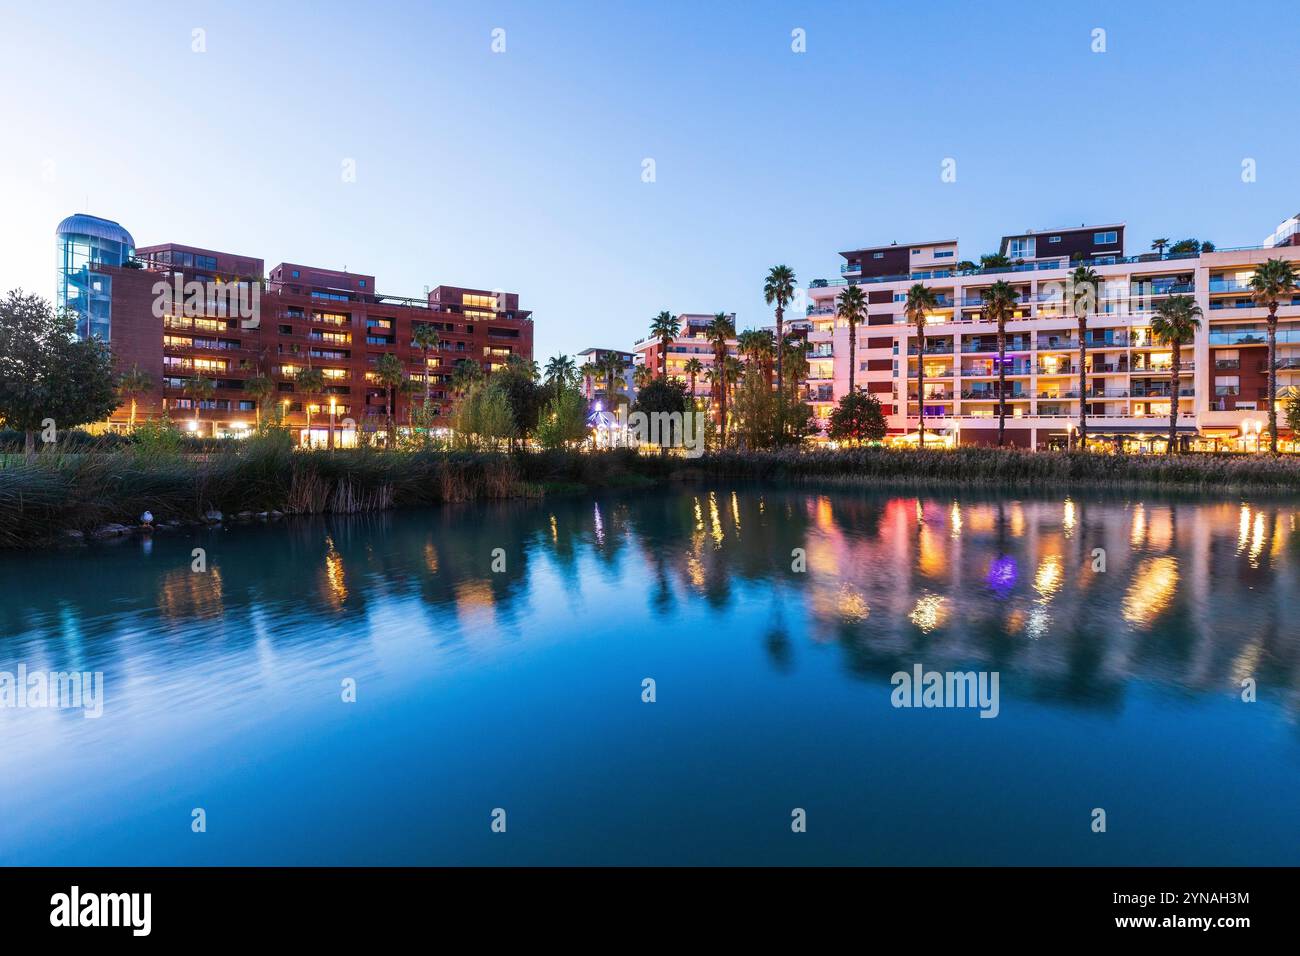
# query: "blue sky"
[[523, 170]]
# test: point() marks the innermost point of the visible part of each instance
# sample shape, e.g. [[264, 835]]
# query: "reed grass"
[[87, 488]]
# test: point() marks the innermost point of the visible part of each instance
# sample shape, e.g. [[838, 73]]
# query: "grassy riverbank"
[[60, 494]]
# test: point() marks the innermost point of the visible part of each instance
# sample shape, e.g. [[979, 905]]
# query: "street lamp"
[[330, 443]]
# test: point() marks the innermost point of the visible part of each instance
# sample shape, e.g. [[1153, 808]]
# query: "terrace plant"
[[1175, 323], [1272, 280]]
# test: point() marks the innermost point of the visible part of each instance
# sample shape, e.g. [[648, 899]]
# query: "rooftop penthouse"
[[1221, 396]]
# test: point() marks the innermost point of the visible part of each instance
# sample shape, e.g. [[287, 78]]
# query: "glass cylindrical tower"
[[85, 244]]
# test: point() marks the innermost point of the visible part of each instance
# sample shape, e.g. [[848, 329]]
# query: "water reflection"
[[773, 618]]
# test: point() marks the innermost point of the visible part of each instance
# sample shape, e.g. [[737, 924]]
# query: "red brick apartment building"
[[251, 322]]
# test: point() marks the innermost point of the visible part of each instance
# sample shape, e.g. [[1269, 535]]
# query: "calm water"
[[522, 689]]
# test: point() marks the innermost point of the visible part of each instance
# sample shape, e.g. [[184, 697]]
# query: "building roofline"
[[899, 245], [1083, 228]]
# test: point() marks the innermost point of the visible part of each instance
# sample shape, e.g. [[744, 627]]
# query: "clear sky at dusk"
[[522, 170]]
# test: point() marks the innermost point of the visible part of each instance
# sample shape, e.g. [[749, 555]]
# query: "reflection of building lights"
[[1068, 517], [1003, 574], [956, 520], [1048, 579], [929, 613], [852, 605], [1151, 592]]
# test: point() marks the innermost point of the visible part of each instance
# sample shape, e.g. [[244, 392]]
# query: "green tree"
[[390, 373], [665, 328], [857, 418], [994, 260], [131, 384], [564, 419], [999, 301], [309, 385], [1272, 280], [1175, 323], [426, 337], [560, 372], [464, 375], [200, 390], [45, 372], [1085, 288], [693, 368], [778, 290], [1159, 245], [851, 307], [259, 388], [721, 331], [920, 301], [612, 367]]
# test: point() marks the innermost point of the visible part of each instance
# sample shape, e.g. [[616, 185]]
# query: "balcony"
[[1013, 345], [1228, 285], [945, 349], [851, 269]]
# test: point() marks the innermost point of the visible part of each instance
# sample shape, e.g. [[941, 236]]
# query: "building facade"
[[692, 342], [181, 313], [1222, 391]]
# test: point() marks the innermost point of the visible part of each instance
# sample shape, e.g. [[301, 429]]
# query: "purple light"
[[1003, 574]]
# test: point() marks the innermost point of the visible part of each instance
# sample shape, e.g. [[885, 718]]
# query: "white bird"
[[147, 518]]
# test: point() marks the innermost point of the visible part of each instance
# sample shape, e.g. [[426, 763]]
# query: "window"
[[1020, 248], [361, 283], [877, 255], [944, 255], [1105, 238], [1051, 239], [294, 273], [916, 252], [205, 262]]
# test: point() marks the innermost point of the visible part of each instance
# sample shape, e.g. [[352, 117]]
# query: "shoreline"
[[59, 498]]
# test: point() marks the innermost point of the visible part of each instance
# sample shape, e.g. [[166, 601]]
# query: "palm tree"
[[1272, 280], [665, 328], [721, 331], [920, 300], [425, 338], [994, 260], [409, 388], [1083, 295], [199, 389], [999, 302], [693, 367], [590, 372], [1175, 323], [613, 367], [851, 307], [309, 383], [642, 376], [259, 388], [131, 385], [779, 289], [559, 372], [389, 373], [465, 374], [1159, 245]]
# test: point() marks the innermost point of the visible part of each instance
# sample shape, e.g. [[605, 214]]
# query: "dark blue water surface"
[[522, 690]]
